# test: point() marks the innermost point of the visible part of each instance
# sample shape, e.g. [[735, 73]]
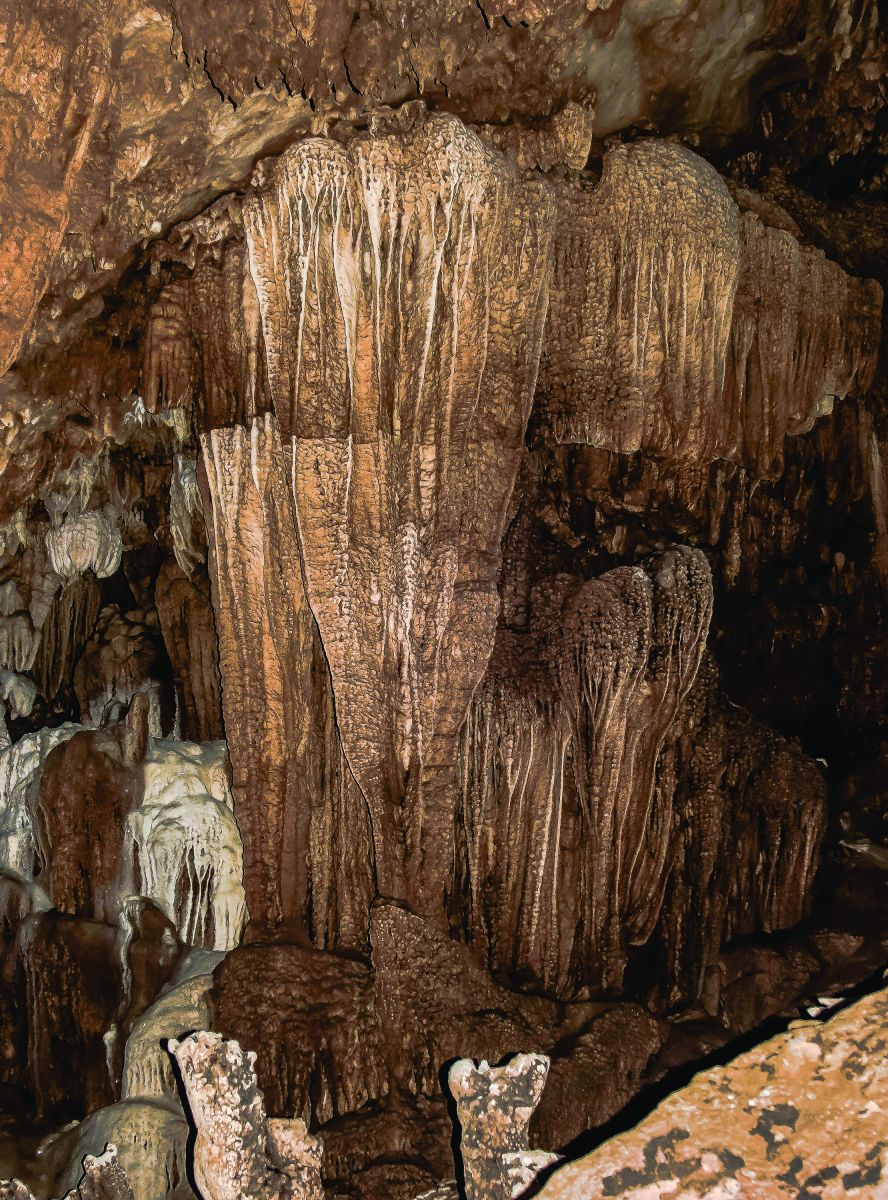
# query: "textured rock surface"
[[804, 1110], [103, 1179], [443, 539], [406, 404], [494, 1107], [237, 1151]]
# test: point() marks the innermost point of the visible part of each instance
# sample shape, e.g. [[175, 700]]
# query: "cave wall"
[[442, 542]]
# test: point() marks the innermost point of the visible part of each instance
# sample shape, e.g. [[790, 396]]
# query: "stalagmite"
[[494, 1107], [151, 1139], [392, 275], [238, 1152], [103, 1179]]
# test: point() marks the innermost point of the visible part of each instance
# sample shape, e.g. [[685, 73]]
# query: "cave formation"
[[443, 549]]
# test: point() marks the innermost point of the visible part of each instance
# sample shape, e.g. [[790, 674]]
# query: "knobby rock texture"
[[443, 542]]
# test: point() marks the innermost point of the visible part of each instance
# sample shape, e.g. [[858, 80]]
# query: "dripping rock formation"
[[443, 552]]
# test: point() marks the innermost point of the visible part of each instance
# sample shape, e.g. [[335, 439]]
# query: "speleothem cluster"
[[443, 539]]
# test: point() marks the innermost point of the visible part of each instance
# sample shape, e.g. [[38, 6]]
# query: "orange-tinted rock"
[[804, 1110], [55, 74]]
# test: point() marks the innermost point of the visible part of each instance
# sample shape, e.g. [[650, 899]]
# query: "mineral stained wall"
[[443, 539]]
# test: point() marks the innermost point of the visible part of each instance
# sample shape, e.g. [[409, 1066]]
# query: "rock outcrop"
[[807, 1112]]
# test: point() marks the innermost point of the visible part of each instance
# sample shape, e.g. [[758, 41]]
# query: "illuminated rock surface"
[[443, 544]]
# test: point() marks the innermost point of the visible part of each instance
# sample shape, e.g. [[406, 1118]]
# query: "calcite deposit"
[[443, 547]]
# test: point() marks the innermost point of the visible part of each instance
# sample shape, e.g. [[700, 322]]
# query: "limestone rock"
[[238, 1152], [806, 1109]]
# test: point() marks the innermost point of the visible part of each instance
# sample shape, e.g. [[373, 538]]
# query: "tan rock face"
[[688, 330], [56, 76], [806, 1110], [391, 277], [308, 851]]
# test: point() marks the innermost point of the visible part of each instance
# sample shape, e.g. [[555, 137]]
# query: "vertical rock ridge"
[[308, 854], [402, 283]]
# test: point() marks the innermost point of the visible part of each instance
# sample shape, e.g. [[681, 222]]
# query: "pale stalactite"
[[238, 1152], [19, 642], [89, 542], [308, 853], [185, 845], [20, 765], [392, 275], [186, 515]]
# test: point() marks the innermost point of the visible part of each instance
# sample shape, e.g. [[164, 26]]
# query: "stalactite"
[[803, 333], [308, 853], [87, 788], [185, 843], [224, 310], [392, 275], [125, 656], [89, 542], [567, 837], [169, 363], [689, 330], [20, 766], [750, 815], [186, 619], [68, 625], [643, 287]]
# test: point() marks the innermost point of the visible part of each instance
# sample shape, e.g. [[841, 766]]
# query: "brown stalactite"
[[391, 276], [186, 618], [688, 329], [308, 854], [80, 841], [567, 837]]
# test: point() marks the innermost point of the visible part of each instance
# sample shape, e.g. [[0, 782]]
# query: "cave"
[[443, 562]]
